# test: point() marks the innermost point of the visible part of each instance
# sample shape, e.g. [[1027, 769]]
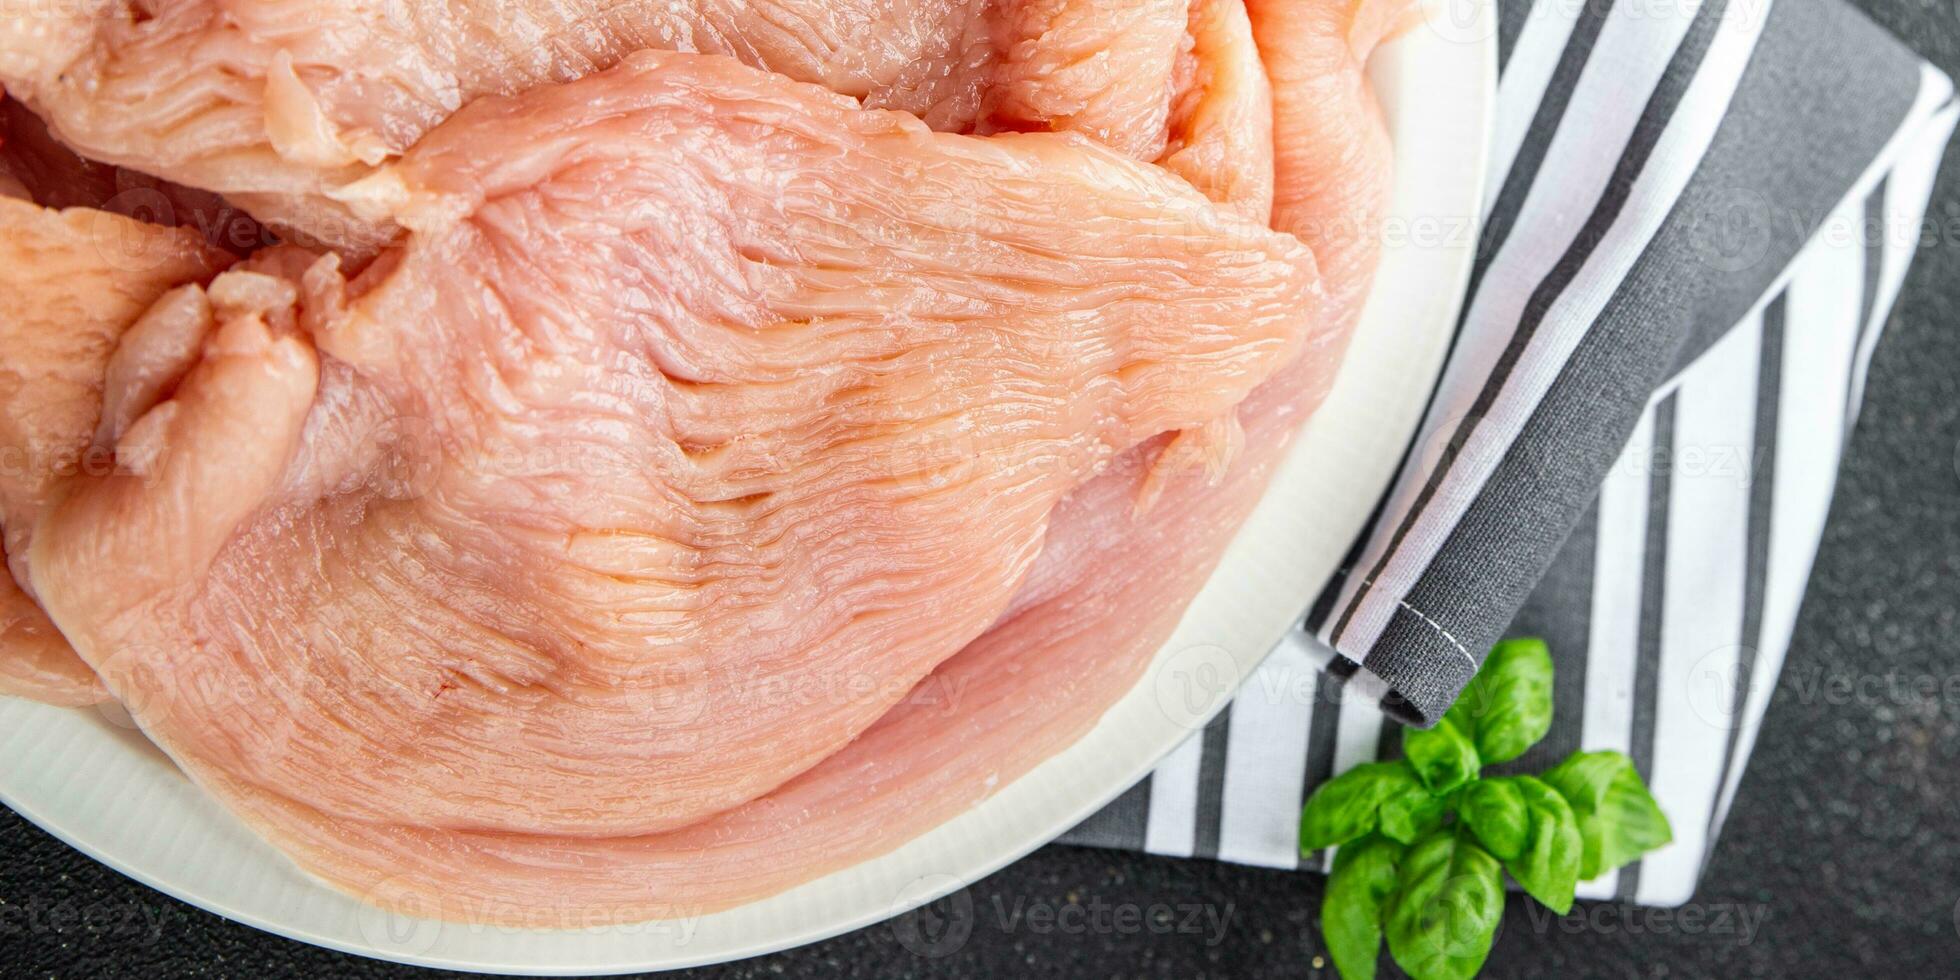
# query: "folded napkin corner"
[[1695, 230]]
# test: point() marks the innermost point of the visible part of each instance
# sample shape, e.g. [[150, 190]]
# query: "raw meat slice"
[[275, 105], [1221, 121], [1103, 68], [666, 422], [1332, 172], [1219, 134], [70, 283], [1031, 685], [1007, 702], [1331, 151], [52, 175], [1220, 140]]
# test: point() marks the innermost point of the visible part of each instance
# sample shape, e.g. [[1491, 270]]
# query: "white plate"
[[101, 787]]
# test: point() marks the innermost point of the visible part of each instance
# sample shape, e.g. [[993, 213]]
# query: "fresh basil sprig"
[[1358, 891], [1507, 707], [1495, 811], [1444, 756], [1618, 818], [1425, 841], [1351, 806], [1449, 897], [1541, 844]]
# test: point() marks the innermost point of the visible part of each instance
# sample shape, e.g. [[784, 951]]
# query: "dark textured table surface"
[[1843, 849]]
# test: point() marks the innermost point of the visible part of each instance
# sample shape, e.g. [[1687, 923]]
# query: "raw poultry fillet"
[[277, 105], [35, 166], [716, 481], [71, 282], [682, 411]]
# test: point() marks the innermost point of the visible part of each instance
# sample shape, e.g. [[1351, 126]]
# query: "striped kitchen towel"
[[1699, 215]]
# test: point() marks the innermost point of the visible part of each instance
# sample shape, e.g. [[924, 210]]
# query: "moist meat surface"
[[722, 484], [655, 432], [71, 282], [276, 105]]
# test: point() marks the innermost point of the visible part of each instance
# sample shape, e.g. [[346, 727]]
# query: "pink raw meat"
[[71, 282], [50, 174], [1034, 683], [1105, 592], [687, 401], [277, 105]]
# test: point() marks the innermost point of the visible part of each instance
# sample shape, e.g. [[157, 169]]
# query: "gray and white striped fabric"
[[1698, 221]]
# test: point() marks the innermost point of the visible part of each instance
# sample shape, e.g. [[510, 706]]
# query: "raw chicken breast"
[[1028, 688], [1332, 177], [1332, 154], [276, 105], [1218, 131], [1103, 68], [1221, 120], [619, 491], [1106, 590], [50, 174], [71, 282], [1009, 701], [1031, 685]]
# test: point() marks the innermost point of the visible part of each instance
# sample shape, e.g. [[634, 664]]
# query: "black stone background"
[[1844, 844]]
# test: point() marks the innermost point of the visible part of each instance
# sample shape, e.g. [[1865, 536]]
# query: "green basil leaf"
[[1351, 912], [1412, 815], [1618, 818], [1495, 811], [1631, 822], [1508, 706], [1446, 907], [1349, 805], [1443, 756], [1548, 865]]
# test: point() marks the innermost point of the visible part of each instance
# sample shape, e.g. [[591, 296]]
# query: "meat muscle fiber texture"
[[1033, 683], [71, 282], [1333, 193], [692, 396], [1218, 120], [275, 105], [1113, 588], [47, 172]]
